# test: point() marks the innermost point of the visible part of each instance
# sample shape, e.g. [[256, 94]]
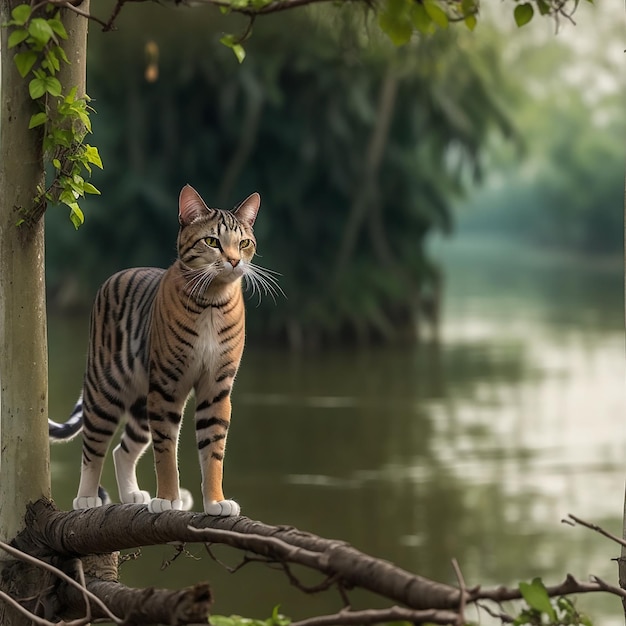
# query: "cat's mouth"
[[231, 270]]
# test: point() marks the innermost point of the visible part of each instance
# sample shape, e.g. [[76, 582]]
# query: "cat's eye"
[[212, 242], [244, 243]]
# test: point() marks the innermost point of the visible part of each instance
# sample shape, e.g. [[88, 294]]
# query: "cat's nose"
[[234, 262]]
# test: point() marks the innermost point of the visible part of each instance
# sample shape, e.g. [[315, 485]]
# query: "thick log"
[[118, 527]]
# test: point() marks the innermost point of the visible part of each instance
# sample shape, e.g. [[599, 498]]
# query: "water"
[[475, 447]]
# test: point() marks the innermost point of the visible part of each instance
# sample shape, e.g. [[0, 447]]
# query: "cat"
[[154, 336]]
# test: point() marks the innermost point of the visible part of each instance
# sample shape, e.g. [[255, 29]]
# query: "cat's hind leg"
[[134, 441], [98, 427]]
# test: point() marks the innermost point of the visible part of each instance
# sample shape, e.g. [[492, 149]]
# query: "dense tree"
[[358, 149], [565, 193]]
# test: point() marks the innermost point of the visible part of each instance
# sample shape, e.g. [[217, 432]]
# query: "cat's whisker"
[[199, 281], [263, 280]]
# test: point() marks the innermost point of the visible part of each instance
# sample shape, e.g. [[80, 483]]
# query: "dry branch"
[[117, 527], [62, 536]]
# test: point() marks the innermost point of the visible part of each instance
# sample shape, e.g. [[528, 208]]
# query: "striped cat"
[[156, 335]]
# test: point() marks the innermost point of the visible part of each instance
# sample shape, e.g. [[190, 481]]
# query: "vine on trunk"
[[64, 117]]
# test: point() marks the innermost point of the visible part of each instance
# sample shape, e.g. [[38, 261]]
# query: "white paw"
[[158, 505], [86, 502], [136, 497], [224, 508], [187, 498]]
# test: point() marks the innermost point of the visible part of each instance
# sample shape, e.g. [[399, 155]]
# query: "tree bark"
[[24, 447], [24, 460]]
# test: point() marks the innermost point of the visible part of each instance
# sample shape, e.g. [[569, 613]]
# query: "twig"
[[610, 588], [18, 554], [463, 589], [83, 585], [594, 527], [18, 607], [65, 4], [265, 546], [379, 616], [244, 561], [501, 615], [569, 586], [180, 549], [326, 584]]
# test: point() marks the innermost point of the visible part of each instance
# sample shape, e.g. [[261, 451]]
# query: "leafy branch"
[[64, 118]]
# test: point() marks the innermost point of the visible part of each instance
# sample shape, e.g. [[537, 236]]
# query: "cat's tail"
[[69, 429]]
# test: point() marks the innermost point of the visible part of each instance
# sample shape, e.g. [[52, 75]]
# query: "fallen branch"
[[118, 527], [64, 536]]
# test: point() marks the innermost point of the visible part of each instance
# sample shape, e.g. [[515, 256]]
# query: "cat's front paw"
[[136, 497], [223, 508], [86, 502], [158, 505]]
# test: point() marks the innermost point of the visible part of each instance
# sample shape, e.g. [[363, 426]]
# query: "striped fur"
[[155, 336]]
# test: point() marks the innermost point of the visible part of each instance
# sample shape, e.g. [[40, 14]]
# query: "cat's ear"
[[190, 206], [247, 210]]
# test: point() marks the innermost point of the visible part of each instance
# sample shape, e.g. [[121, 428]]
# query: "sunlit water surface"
[[474, 447]]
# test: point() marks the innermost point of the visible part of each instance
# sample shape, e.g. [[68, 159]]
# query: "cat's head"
[[219, 244]]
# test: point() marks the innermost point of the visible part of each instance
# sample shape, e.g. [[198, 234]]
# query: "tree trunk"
[[24, 448]]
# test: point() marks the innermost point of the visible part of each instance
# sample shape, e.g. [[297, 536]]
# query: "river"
[[474, 446]]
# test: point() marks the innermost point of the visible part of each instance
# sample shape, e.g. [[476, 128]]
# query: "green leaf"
[[61, 54], [76, 215], [37, 120], [523, 13], [92, 155], [71, 96], [24, 62], [230, 42], [53, 86], [21, 13], [37, 88], [57, 26], [395, 21], [470, 22], [421, 20], [436, 13], [89, 188], [537, 597], [16, 37], [56, 163], [40, 30], [52, 62]]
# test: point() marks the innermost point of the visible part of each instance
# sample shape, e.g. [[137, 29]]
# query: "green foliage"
[[523, 13], [276, 619], [64, 118], [542, 611]]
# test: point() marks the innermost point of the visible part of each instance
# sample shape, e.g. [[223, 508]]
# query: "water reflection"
[[474, 449]]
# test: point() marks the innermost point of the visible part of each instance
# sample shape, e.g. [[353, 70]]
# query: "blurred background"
[[445, 375]]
